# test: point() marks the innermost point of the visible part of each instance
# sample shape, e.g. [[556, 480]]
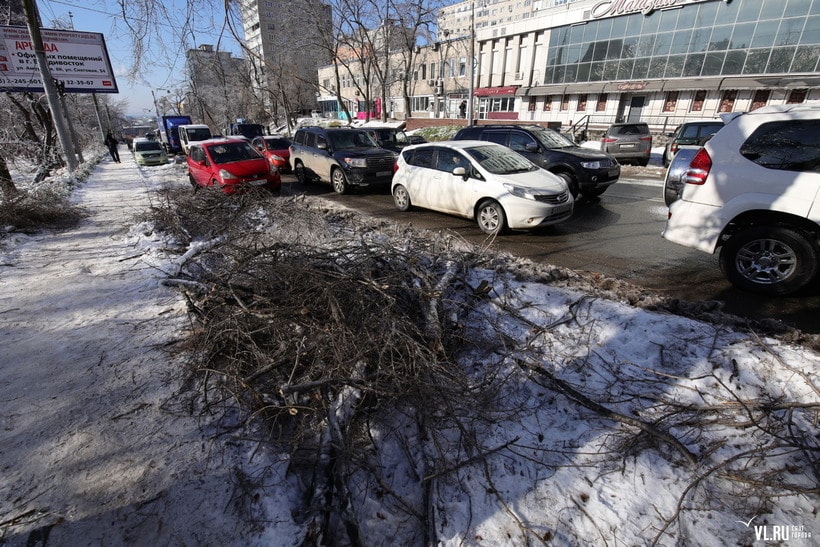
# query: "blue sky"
[[164, 64]]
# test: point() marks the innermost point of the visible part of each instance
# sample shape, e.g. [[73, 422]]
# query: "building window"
[[698, 100], [797, 96], [600, 106], [531, 106], [761, 97], [671, 101], [727, 101], [565, 102], [582, 103], [547, 103], [462, 66]]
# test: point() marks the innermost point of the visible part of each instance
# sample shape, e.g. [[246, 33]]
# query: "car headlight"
[[356, 162], [274, 157], [591, 165], [519, 191], [226, 175]]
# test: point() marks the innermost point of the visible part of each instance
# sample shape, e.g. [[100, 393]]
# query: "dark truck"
[[247, 130]]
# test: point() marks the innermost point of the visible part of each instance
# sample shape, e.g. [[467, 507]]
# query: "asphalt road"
[[617, 235]]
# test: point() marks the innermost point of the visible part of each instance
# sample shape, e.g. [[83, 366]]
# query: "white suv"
[[753, 191]]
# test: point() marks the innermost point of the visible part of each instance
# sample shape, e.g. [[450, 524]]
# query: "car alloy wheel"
[[571, 183], [490, 217], [299, 171], [339, 181], [401, 198], [770, 260]]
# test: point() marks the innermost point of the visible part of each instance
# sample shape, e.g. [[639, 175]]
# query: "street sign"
[[78, 61]]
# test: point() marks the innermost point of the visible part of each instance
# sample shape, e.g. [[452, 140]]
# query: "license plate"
[[384, 173], [629, 145], [259, 182]]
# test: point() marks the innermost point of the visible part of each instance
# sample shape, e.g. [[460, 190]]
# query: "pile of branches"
[[344, 341], [321, 341]]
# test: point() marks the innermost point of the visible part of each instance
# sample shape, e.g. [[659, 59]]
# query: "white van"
[[192, 133]]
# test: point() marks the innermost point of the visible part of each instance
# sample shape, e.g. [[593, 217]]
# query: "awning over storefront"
[[677, 84], [496, 91]]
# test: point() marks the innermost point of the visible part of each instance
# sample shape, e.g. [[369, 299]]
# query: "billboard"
[[77, 60]]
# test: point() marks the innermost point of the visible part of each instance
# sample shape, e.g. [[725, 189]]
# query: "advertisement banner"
[[77, 60]]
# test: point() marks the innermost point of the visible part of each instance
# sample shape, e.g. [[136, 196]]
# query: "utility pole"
[[57, 113], [470, 112]]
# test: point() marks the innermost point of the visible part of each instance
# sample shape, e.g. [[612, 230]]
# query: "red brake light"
[[609, 139], [395, 167], [699, 168]]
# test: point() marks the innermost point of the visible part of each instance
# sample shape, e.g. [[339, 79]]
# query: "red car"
[[276, 150], [230, 165]]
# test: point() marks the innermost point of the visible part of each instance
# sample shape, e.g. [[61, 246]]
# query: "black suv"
[[344, 157], [586, 171]]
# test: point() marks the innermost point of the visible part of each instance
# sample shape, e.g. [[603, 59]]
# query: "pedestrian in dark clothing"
[[462, 108], [112, 144]]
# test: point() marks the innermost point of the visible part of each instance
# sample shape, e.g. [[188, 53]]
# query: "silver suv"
[[753, 193]]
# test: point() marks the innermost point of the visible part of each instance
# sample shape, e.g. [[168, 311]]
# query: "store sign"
[[632, 86], [77, 60], [494, 91], [611, 8]]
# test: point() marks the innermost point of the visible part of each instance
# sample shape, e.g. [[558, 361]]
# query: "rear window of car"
[[792, 145], [277, 144], [630, 129]]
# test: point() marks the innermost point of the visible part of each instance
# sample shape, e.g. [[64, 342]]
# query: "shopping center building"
[[594, 62]]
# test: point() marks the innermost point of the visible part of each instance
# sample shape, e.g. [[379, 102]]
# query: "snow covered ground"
[[702, 435]]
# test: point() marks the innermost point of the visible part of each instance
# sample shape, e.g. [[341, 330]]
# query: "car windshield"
[[345, 140], [552, 139], [500, 160], [232, 151], [147, 146], [198, 133]]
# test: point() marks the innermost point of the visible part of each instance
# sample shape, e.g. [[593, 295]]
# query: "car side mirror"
[[531, 147], [322, 146], [460, 172]]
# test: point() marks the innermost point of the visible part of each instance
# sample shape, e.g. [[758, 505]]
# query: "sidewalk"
[[92, 447]]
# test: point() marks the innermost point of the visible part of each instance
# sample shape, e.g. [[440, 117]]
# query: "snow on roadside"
[[96, 445]]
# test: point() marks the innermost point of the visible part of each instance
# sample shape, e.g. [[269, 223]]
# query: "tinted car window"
[[450, 159], [631, 129], [499, 137], [420, 158], [197, 154], [787, 145], [232, 151], [145, 146], [519, 141], [309, 139], [277, 144]]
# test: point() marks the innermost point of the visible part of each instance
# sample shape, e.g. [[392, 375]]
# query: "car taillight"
[[649, 138], [395, 167], [673, 148], [609, 139], [699, 168]]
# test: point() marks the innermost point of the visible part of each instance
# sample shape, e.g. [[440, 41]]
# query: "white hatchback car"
[[481, 180], [753, 192]]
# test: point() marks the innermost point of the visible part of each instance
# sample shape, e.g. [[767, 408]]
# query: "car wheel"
[[769, 259], [401, 198], [666, 160], [571, 183], [339, 181], [299, 171], [490, 217]]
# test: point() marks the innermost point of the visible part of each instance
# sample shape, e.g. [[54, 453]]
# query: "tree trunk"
[[7, 187]]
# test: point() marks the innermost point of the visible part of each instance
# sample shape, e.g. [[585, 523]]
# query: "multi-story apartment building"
[[219, 88], [285, 42], [598, 61]]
